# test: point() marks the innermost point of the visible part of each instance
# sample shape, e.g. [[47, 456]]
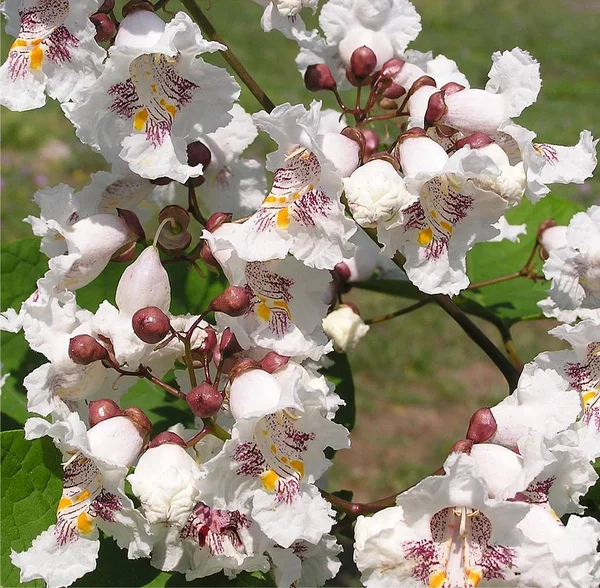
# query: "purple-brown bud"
[[233, 301], [462, 446], [272, 362], [84, 349], [100, 410], [451, 88], [217, 219], [133, 222], [436, 108], [207, 257], [241, 366], [318, 77], [394, 91], [139, 419], [166, 437], [363, 62], [481, 426], [392, 67], [204, 400], [134, 5], [371, 141], [150, 324], [198, 154], [229, 344], [475, 141], [341, 272], [208, 343], [105, 27]]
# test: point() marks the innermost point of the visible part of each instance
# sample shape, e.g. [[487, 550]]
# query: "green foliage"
[[515, 300], [340, 374], [31, 489]]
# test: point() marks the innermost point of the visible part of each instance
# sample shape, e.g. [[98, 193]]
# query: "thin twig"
[[400, 312], [358, 508], [207, 28]]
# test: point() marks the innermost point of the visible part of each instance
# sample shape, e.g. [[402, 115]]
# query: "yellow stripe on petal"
[[446, 226], [298, 466], [588, 396], [64, 503], [18, 43], [139, 120], [425, 236], [36, 56], [85, 494], [437, 580], [263, 312], [85, 523], [283, 218], [474, 577], [269, 480]]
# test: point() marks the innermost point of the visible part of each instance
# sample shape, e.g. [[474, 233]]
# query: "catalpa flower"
[[283, 16], [268, 468], [385, 26], [155, 97], [93, 498], [460, 199], [302, 214], [286, 306], [573, 265], [54, 51]]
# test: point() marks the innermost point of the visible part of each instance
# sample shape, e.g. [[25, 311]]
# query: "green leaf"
[[31, 489], [515, 300], [114, 569], [22, 265], [340, 374]]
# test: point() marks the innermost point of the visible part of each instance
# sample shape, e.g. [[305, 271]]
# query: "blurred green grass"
[[418, 377]]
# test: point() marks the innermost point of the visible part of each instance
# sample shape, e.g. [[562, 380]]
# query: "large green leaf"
[[340, 374], [31, 489], [514, 300]]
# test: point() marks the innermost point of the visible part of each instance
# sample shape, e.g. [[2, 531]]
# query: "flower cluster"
[[241, 489]]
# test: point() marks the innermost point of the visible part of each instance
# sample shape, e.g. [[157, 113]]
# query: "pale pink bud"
[[150, 324], [272, 362]]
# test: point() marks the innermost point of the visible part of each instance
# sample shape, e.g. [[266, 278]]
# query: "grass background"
[[418, 377]]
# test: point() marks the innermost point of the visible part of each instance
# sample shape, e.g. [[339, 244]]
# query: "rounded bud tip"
[[217, 219], [462, 446], [436, 108], [318, 77], [105, 27], [342, 272], [107, 6], [150, 324], [233, 301], [134, 5], [198, 154], [100, 410], [481, 426], [475, 141], [363, 62], [371, 141], [204, 400], [229, 345], [166, 437], [272, 362], [84, 349], [139, 419]]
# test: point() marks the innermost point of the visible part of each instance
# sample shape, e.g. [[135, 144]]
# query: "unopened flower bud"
[[207, 257], [344, 327], [553, 237], [150, 324], [342, 151], [475, 141], [216, 220], [233, 301], [138, 417], [204, 400], [342, 272], [208, 343], [228, 345], [481, 426], [198, 154], [436, 108], [273, 361], [140, 27], [105, 27], [135, 5], [451, 88], [462, 446], [116, 440], [371, 141], [392, 67], [254, 393], [242, 365], [318, 77], [100, 410], [84, 349], [166, 437], [394, 91], [144, 283], [363, 62], [107, 6]]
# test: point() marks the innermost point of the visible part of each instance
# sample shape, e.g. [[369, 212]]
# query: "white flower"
[[93, 497], [155, 97], [302, 214], [283, 16], [345, 328], [286, 308], [376, 193], [54, 51], [385, 26], [575, 270]]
